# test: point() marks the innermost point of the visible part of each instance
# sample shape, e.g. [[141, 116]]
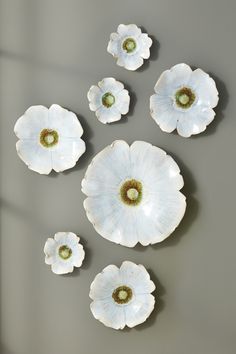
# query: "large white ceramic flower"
[[109, 100], [184, 100], [122, 296], [64, 252], [49, 139], [133, 193], [129, 46]]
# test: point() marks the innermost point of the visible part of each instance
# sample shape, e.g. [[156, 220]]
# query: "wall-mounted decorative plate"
[[133, 193], [122, 296]]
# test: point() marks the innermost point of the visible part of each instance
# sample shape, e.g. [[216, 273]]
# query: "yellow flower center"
[[129, 45], [48, 137], [131, 192], [184, 97], [108, 99], [122, 295], [65, 252]]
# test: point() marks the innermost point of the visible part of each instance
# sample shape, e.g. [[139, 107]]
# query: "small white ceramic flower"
[[129, 46], [49, 139], [184, 100], [64, 252], [122, 296], [109, 100], [133, 193]]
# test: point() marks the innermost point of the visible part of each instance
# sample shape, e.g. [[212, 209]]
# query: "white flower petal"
[[161, 109], [105, 283], [137, 277], [108, 115], [34, 156], [108, 313], [78, 255], [195, 122], [170, 80], [130, 62], [61, 267], [129, 30], [145, 43], [65, 122], [109, 84], [66, 153], [32, 122], [122, 101], [205, 88], [50, 251], [139, 309], [95, 97]]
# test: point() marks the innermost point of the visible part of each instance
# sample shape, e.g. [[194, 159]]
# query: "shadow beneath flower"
[[191, 212], [159, 305], [154, 50]]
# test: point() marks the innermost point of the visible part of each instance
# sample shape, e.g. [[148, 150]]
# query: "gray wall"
[[52, 51]]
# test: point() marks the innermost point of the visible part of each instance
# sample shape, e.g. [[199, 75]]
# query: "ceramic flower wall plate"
[[122, 296], [109, 100], [49, 139], [64, 252], [133, 193], [129, 46], [184, 100]]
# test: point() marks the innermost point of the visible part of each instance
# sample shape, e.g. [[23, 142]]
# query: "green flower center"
[[108, 99], [129, 45], [65, 252], [184, 97], [131, 192], [122, 295], [48, 138]]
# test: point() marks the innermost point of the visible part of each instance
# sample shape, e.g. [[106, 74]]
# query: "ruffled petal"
[[66, 153], [205, 88], [171, 80], [108, 115], [109, 84], [34, 156], [129, 30], [64, 122], [137, 277], [163, 112], [122, 101], [95, 97], [50, 251], [145, 43], [32, 123], [105, 283], [195, 121], [78, 255], [139, 309], [62, 267], [108, 313], [130, 62]]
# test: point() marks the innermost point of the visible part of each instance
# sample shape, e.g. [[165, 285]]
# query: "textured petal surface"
[[34, 156], [95, 97], [161, 208], [61, 267]]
